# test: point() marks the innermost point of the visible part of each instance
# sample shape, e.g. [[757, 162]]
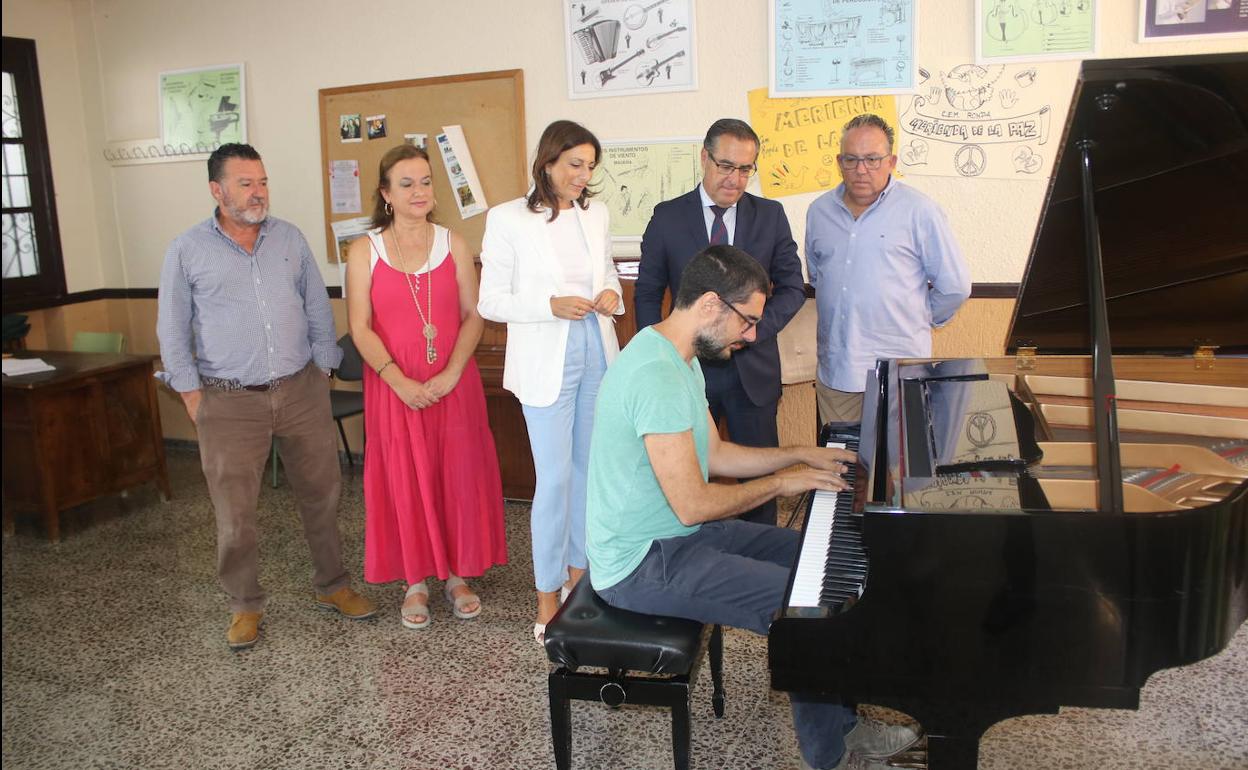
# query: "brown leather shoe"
[[348, 602], [244, 630]]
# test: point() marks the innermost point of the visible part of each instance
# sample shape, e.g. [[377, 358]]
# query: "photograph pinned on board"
[[417, 140], [349, 128], [376, 126]]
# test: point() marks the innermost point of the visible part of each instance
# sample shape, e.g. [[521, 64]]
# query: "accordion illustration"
[[598, 41]]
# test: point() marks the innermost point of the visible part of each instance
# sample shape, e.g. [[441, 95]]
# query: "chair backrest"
[[99, 342], [352, 367]]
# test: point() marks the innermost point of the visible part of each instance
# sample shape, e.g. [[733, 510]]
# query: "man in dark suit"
[[745, 390]]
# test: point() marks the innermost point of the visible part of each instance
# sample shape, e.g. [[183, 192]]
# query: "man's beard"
[[245, 214], [708, 348]]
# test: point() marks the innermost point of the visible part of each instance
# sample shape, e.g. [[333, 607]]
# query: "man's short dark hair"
[[732, 127], [216, 161], [868, 120], [726, 270]]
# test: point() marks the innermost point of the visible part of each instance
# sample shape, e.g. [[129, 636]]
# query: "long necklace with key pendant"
[[429, 330]]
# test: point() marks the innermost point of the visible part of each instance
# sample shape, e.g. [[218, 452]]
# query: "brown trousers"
[[837, 405], [236, 428]]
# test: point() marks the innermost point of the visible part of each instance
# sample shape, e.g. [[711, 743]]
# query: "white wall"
[[100, 60]]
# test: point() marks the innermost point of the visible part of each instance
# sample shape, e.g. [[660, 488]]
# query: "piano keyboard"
[[832, 565]]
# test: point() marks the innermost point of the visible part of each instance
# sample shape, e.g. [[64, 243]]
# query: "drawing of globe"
[[971, 86]]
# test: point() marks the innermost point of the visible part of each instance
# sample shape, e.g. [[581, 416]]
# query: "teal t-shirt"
[[648, 389]]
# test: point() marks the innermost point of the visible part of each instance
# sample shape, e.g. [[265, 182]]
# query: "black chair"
[[347, 403], [588, 632]]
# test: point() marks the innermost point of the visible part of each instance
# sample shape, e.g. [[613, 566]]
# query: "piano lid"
[[1170, 168]]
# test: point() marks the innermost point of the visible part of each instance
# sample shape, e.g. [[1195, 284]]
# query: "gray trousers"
[[236, 429], [733, 573]]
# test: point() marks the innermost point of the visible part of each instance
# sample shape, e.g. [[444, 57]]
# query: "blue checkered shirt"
[[252, 318]]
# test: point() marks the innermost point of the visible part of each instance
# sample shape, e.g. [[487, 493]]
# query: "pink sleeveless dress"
[[433, 497]]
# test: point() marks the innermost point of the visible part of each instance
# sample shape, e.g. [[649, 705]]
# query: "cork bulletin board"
[[488, 105]]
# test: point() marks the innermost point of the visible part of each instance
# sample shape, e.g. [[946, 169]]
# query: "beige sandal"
[[415, 609], [458, 604]]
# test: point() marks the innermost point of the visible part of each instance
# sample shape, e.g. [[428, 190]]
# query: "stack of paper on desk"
[[14, 367]]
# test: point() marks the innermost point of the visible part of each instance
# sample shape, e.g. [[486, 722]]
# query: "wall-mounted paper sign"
[[344, 187], [462, 174]]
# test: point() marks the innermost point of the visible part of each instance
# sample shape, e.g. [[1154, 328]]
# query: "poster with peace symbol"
[[995, 121]]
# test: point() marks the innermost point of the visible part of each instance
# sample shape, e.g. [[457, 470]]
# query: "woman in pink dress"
[[432, 492]]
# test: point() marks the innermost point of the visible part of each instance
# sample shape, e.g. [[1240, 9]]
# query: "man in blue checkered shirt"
[[247, 340]]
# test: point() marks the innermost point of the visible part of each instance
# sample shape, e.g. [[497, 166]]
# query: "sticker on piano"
[[629, 47]]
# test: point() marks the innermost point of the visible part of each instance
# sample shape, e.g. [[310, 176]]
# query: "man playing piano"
[[885, 267], [660, 538]]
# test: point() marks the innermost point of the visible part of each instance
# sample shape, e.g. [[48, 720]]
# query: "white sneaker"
[[878, 740]]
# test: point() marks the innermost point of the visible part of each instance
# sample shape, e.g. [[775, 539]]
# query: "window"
[[33, 273]]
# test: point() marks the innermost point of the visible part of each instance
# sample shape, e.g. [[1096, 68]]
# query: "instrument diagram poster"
[[801, 138], [629, 47], [841, 47], [1188, 19], [201, 109], [633, 177], [983, 120], [1030, 30]]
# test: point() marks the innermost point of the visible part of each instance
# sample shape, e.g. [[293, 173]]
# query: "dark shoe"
[[244, 630], [879, 740], [348, 602]]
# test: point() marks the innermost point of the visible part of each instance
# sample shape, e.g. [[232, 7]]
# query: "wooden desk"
[[88, 429]]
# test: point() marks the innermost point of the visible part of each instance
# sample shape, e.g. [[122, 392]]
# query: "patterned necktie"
[[719, 231]]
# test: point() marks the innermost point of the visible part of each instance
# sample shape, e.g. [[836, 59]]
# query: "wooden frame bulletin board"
[[489, 106]]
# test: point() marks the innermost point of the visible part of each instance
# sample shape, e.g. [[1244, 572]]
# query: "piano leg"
[[954, 729]]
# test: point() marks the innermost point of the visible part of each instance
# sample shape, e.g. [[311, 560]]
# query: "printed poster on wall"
[[457, 159], [635, 176], [995, 121], [801, 138], [1029, 30], [837, 47], [1162, 20], [629, 47], [202, 108]]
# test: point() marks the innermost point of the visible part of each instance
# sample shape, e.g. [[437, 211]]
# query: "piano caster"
[[913, 758], [612, 694]]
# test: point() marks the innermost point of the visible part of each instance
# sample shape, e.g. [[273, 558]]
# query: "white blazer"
[[520, 272]]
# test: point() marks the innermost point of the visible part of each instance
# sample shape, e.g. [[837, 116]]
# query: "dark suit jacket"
[[677, 232]]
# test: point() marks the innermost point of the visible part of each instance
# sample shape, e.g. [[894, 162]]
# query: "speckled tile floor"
[[114, 657]]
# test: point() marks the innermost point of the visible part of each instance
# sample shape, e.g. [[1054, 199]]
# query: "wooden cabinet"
[[88, 429]]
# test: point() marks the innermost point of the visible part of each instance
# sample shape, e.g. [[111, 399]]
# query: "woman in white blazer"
[[547, 272]]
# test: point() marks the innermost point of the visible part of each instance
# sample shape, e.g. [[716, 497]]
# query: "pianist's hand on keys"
[[827, 464]]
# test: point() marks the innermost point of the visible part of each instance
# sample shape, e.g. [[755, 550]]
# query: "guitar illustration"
[[654, 41], [648, 73], [609, 72]]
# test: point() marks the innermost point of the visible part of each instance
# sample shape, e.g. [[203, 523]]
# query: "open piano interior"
[[976, 571]]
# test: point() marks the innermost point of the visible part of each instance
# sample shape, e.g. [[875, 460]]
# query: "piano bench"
[[588, 632]]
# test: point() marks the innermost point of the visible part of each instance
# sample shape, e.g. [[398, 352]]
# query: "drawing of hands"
[[933, 94], [1008, 98]]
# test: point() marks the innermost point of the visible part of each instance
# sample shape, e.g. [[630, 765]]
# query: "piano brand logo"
[[981, 429]]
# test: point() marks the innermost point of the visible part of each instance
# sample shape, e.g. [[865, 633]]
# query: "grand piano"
[[1051, 527]]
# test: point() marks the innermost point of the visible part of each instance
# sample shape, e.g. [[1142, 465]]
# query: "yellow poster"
[[801, 138]]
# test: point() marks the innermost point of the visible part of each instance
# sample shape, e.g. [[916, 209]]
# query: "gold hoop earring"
[[388, 209]]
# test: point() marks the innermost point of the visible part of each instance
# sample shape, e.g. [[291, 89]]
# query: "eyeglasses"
[[850, 162], [750, 322], [726, 168]]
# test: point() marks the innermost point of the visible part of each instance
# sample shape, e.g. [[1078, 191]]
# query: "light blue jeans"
[[559, 437]]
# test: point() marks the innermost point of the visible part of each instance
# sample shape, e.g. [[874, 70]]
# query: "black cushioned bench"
[[588, 632]]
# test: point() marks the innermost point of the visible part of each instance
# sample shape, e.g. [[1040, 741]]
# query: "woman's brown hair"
[[393, 156], [558, 138]]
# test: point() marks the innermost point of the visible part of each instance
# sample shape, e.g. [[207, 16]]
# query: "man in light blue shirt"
[[885, 267], [247, 341]]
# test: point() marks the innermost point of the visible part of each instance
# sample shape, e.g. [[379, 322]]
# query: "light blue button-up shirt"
[[238, 316], [882, 281]]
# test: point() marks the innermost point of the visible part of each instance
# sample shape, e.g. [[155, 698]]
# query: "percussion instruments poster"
[[202, 108], [995, 121], [801, 138], [1027, 30], [629, 47], [841, 47], [633, 177]]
